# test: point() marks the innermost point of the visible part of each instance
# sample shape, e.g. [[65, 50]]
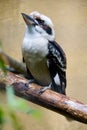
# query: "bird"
[[44, 58]]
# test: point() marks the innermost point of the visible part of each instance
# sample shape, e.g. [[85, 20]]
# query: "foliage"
[[2, 64], [19, 104], [13, 105], [2, 118]]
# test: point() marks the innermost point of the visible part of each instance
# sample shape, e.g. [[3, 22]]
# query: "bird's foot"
[[29, 82], [43, 89]]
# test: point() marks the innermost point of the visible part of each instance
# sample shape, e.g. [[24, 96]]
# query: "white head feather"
[[47, 21]]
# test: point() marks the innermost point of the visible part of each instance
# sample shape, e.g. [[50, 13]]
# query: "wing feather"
[[58, 54], [57, 65]]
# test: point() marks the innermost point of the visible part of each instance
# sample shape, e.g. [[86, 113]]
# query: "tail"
[[60, 88]]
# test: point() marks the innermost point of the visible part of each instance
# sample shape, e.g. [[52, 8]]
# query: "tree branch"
[[16, 65], [49, 99]]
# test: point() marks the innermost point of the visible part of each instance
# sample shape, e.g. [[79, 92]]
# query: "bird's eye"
[[44, 26], [47, 29], [40, 21]]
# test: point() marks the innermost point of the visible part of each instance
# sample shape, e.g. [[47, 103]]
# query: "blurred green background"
[[70, 23]]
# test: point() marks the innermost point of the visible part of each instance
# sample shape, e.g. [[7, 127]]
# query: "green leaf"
[[2, 65], [15, 121], [20, 104], [2, 118], [15, 104], [10, 96], [35, 113]]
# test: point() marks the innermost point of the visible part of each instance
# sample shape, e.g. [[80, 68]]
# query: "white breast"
[[34, 52]]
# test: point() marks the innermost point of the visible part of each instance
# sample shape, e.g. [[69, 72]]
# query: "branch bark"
[[65, 105], [49, 99], [16, 65]]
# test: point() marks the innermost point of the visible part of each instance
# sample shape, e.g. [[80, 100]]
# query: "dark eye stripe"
[[47, 29], [44, 26], [40, 21]]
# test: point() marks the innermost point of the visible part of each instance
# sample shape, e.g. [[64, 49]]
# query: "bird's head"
[[39, 24]]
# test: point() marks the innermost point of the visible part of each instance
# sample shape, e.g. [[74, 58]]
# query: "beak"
[[28, 19]]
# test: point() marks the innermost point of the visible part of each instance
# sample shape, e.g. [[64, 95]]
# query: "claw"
[[43, 89], [29, 82], [26, 86]]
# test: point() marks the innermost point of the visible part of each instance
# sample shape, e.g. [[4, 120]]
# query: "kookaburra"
[[44, 58]]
